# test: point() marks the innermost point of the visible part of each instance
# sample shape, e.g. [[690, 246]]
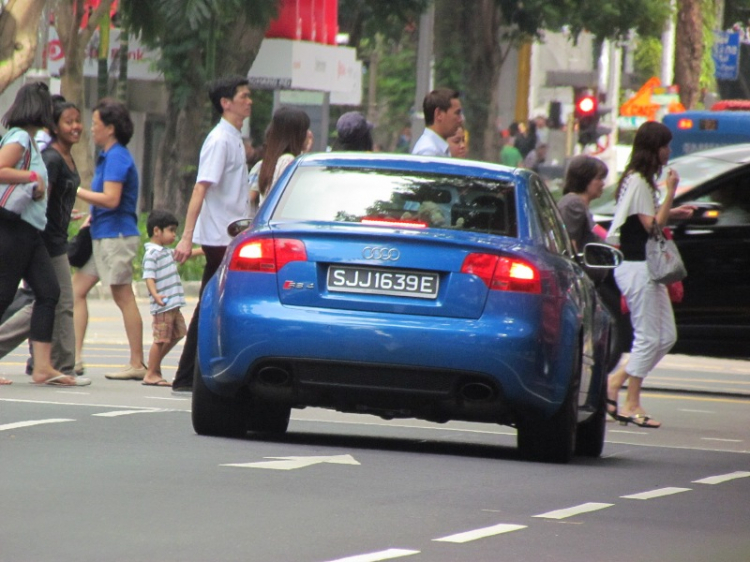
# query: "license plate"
[[372, 281]]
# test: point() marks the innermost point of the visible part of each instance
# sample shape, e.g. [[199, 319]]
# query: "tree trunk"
[[484, 60], [19, 26], [688, 51], [74, 40], [185, 131]]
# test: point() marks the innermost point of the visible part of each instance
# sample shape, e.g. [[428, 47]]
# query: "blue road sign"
[[726, 55]]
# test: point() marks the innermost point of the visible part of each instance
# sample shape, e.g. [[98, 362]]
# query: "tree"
[[198, 40], [488, 29], [74, 38], [19, 26], [689, 48]]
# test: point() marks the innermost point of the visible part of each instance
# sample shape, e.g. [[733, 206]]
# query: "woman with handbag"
[[23, 254], [651, 315], [63, 180]]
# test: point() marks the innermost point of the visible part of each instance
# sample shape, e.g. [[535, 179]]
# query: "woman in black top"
[[638, 210], [63, 181]]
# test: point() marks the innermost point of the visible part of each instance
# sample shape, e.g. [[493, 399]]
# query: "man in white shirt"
[[442, 117], [219, 197]]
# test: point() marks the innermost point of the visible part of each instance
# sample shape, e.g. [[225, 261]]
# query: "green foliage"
[[365, 19], [190, 35], [736, 11], [647, 58], [396, 84]]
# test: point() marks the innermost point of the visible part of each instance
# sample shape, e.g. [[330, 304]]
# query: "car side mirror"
[[238, 226], [601, 256]]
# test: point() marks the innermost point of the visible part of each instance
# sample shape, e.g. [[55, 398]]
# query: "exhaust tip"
[[477, 392], [274, 376]]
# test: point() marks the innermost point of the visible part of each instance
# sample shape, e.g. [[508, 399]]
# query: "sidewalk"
[[681, 373], [140, 290]]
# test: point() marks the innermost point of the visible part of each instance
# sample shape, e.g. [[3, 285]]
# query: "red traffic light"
[[586, 106]]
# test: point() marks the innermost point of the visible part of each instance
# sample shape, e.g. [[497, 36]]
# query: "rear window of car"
[[397, 198]]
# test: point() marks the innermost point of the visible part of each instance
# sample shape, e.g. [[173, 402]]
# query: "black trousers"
[[186, 366], [24, 256]]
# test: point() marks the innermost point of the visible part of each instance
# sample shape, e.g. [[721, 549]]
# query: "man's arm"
[[183, 250]]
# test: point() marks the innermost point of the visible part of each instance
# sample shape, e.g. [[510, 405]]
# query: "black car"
[[714, 317]]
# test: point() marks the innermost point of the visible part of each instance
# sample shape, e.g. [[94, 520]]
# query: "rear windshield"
[[397, 198]]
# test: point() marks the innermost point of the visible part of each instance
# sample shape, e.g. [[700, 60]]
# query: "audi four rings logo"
[[385, 254]]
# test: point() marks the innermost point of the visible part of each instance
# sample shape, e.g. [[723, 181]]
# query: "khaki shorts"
[[168, 326], [112, 260]]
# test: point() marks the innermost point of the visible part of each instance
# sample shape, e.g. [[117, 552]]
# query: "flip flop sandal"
[[160, 382]]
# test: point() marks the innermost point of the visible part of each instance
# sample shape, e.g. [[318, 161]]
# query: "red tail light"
[[503, 274], [267, 254], [684, 123]]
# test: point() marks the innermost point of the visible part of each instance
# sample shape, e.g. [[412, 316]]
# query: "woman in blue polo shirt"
[[114, 231]]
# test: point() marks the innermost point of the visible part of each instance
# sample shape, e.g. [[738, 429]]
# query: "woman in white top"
[[285, 140], [650, 308]]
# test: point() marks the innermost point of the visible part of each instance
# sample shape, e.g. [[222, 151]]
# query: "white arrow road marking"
[[389, 554], [655, 493], [480, 533], [722, 478], [290, 463], [126, 413], [30, 423], [576, 510]]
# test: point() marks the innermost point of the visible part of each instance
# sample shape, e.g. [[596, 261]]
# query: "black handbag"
[[80, 247]]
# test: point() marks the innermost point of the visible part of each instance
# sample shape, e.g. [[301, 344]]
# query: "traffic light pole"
[[570, 134]]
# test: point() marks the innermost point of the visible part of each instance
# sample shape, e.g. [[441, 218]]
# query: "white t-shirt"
[[223, 164], [636, 198], [431, 144]]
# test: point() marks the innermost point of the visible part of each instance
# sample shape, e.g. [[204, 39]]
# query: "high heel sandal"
[[612, 413], [641, 420]]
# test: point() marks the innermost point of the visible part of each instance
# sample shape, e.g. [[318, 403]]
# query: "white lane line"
[[661, 492], [480, 533], [575, 510], [31, 423], [126, 413], [696, 411], [389, 554], [722, 440], [723, 478]]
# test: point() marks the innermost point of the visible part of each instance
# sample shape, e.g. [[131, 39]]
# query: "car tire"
[[216, 415], [591, 433], [268, 418], [553, 439]]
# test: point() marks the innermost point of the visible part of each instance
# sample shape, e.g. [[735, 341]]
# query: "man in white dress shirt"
[[220, 196], [442, 116]]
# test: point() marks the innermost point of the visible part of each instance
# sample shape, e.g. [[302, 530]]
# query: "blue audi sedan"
[[407, 287]]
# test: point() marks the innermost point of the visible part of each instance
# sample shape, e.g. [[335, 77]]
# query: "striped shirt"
[[159, 265]]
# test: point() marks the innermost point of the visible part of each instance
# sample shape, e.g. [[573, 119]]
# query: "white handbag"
[[664, 262]]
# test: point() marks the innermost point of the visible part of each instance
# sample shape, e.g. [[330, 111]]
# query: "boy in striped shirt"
[[165, 292]]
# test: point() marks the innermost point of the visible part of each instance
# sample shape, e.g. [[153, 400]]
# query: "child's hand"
[[161, 300]]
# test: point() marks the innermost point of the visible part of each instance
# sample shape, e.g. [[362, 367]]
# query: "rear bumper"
[[398, 364]]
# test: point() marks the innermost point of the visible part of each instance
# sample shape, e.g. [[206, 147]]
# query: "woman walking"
[[63, 180], [22, 250], [114, 231], [584, 182], [651, 315]]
